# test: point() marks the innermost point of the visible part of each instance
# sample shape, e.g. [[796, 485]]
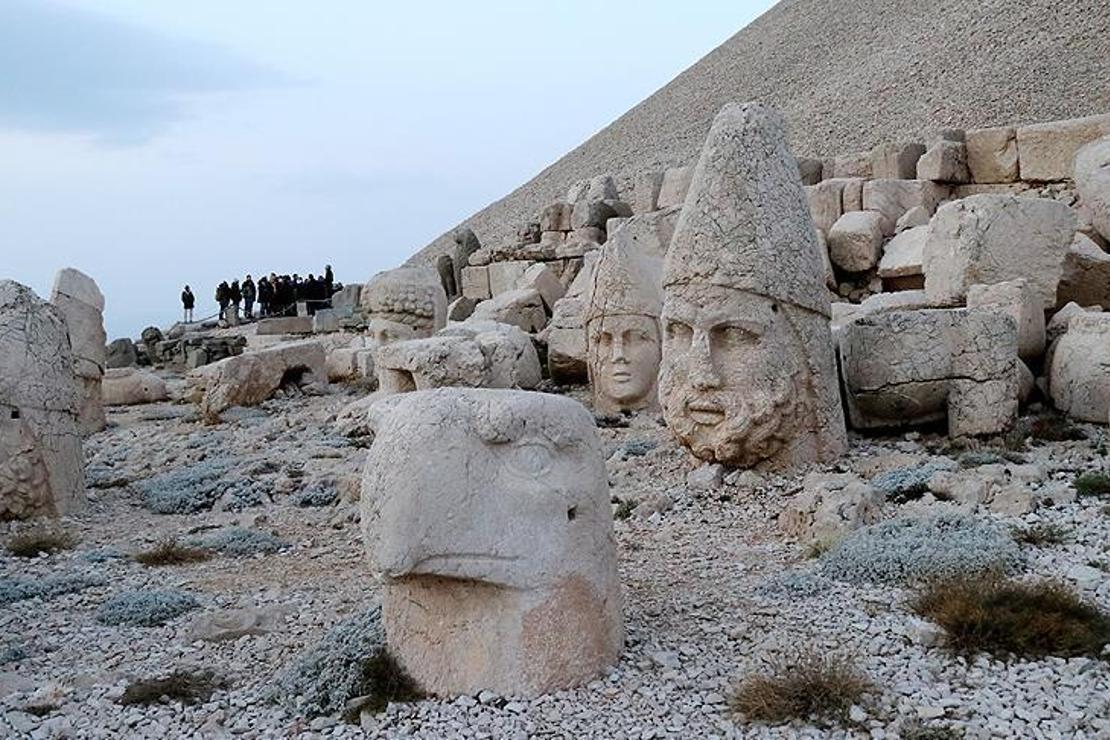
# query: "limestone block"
[[475, 283], [911, 219], [346, 299], [284, 325], [851, 198], [504, 276], [82, 305], [121, 353], [407, 301], [992, 154], [1092, 182], [646, 190], [581, 241], [251, 378], [325, 320], [130, 386], [893, 198], [904, 254], [1086, 276], [1016, 298], [1080, 372], [1047, 150], [566, 332], [556, 217], [989, 239], [810, 170], [41, 461], [522, 308], [829, 507], [461, 309], [498, 562], [904, 368], [854, 164], [896, 161], [542, 279], [856, 241], [748, 375], [944, 161], [650, 233], [676, 183], [1058, 325], [826, 261], [474, 354]]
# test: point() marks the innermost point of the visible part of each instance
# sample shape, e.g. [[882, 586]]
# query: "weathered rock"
[[542, 279], [893, 198], [1058, 325], [278, 325], [748, 375], [82, 305], [911, 367], [904, 254], [473, 354], [810, 170], [675, 186], [475, 283], [566, 332], [992, 154], [651, 233], [896, 161], [945, 161], [645, 192], [911, 219], [41, 461], [121, 353], [853, 164], [346, 299], [505, 276], [1092, 182], [1047, 150], [523, 308], [130, 386], [232, 624], [406, 303], [856, 241], [251, 378], [498, 562], [829, 507], [1080, 370], [1017, 299], [461, 309], [989, 239], [556, 217]]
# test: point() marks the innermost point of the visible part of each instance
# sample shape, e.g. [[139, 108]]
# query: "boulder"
[[475, 283], [1092, 182], [1016, 298], [82, 306], [911, 219], [346, 299], [566, 332], [1047, 150], [461, 309], [121, 353], [595, 213], [992, 154], [645, 192], [829, 507], [989, 239], [675, 186], [130, 386], [896, 161], [498, 563], [542, 279], [1058, 325], [505, 276], [810, 170], [856, 241], [945, 161], [892, 198], [523, 308], [1080, 372], [249, 379], [904, 254], [556, 217]]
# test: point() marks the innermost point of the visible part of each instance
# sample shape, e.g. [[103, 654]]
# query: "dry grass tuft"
[[34, 542], [1010, 618], [1040, 535], [185, 686], [171, 552], [384, 680], [809, 685], [624, 509]]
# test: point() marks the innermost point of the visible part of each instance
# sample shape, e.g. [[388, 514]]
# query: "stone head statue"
[[623, 338], [1092, 180], [406, 303], [498, 560], [748, 375]]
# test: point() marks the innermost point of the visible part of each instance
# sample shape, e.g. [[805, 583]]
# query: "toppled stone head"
[[623, 338], [748, 374], [406, 303], [498, 560]]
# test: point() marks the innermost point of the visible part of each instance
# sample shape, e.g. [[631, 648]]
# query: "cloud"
[[73, 71]]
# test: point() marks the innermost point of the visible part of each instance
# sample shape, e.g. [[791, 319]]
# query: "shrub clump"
[[1010, 618], [145, 608], [904, 484], [198, 487], [1039, 535], [240, 542], [812, 685], [351, 661], [187, 687], [910, 549], [978, 458], [34, 542], [171, 552], [318, 495], [624, 509], [1093, 484], [18, 589], [12, 654]]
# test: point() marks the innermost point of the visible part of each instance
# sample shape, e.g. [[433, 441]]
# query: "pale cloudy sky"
[[153, 143]]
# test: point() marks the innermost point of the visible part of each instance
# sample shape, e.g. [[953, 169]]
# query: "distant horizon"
[[188, 144]]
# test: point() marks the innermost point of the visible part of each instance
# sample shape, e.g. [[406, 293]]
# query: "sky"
[[153, 143]]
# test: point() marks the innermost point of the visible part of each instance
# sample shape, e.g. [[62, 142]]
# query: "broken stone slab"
[[542, 279], [475, 283], [521, 307], [992, 154], [827, 200], [675, 186], [1058, 325], [904, 368], [131, 386], [566, 332], [911, 219], [945, 161], [904, 254], [856, 241], [1016, 298], [251, 378], [284, 325], [1086, 276], [1092, 182], [326, 321], [829, 507], [1079, 380], [896, 161], [645, 193], [989, 239], [346, 299], [892, 198], [460, 309], [498, 563], [1047, 150], [651, 233]]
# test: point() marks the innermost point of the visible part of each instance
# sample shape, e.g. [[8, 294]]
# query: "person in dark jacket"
[[265, 296], [329, 284], [188, 300], [223, 296], [249, 294]]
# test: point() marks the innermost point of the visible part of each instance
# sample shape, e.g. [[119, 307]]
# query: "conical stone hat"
[[626, 282]]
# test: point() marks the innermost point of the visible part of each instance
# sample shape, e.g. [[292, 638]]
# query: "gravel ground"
[[847, 76], [712, 591]]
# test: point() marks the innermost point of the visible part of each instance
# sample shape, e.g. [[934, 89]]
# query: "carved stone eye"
[[530, 460]]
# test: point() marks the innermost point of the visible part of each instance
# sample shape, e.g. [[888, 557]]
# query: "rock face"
[[406, 303], [1016, 298], [82, 305], [989, 239], [829, 507], [474, 354], [911, 367], [130, 386], [1047, 151], [856, 241], [250, 379], [521, 307], [1080, 371], [1086, 277], [121, 353], [41, 461], [1092, 181], [748, 375], [623, 336], [499, 561]]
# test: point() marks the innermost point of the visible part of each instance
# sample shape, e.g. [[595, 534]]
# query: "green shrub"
[[145, 608], [1093, 484], [239, 542]]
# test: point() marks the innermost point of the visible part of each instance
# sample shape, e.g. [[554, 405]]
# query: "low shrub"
[[12, 654], [638, 447], [240, 542], [811, 685], [18, 589], [185, 686], [910, 549], [197, 487], [1041, 534], [318, 495], [1093, 484], [145, 608], [34, 542], [905, 484], [1051, 428], [624, 508], [384, 680], [978, 458], [171, 552], [1010, 618]]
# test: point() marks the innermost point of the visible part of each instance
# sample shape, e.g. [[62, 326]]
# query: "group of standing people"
[[275, 295]]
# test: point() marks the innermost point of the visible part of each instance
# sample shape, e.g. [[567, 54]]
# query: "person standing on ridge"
[[249, 294], [265, 296], [223, 295], [188, 300]]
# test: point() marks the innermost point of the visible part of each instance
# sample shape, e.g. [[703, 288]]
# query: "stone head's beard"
[[756, 425]]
